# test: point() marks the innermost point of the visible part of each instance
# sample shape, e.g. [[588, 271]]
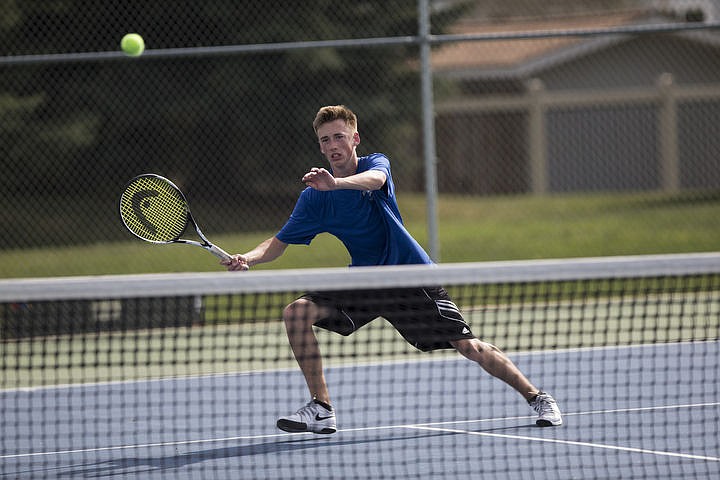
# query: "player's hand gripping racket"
[[155, 210]]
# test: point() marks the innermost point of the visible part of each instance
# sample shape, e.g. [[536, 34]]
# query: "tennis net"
[[185, 375]]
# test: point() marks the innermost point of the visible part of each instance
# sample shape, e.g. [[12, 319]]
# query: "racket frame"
[[205, 243]]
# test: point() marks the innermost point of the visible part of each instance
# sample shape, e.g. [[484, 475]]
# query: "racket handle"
[[219, 252]]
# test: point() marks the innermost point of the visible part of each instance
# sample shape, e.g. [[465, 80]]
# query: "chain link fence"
[[577, 96]]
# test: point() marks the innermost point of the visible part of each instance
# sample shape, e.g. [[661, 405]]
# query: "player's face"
[[338, 143]]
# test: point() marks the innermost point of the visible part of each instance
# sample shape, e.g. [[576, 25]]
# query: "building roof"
[[503, 57]]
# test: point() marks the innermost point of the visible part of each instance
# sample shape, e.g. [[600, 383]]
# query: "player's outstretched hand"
[[319, 179]]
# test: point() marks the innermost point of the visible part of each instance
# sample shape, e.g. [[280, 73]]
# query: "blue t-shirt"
[[367, 222]]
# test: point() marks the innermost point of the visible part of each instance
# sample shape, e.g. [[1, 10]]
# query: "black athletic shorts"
[[425, 317]]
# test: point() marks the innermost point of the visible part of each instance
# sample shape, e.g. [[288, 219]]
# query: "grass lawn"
[[471, 229]]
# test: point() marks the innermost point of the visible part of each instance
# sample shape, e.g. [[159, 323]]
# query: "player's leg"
[[496, 363], [316, 416], [342, 312], [299, 318]]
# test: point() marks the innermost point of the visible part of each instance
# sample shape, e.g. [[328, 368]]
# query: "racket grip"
[[219, 252]]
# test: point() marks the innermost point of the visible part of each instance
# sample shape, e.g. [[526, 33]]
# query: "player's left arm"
[[321, 179]]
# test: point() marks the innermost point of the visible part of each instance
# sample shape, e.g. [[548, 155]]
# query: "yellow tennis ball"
[[132, 44]]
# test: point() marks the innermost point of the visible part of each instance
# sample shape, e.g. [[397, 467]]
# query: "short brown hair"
[[335, 112]]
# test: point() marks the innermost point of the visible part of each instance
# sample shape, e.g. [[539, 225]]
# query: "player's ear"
[[356, 139]]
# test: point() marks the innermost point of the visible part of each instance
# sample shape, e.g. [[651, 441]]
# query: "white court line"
[[568, 442], [432, 426], [428, 427]]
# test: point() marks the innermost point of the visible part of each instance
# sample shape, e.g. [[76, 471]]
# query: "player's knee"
[[300, 311], [475, 349], [467, 347]]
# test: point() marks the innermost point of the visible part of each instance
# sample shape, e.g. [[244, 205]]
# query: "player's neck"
[[346, 170]]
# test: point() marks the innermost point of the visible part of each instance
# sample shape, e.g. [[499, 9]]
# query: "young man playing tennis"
[[355, 201]]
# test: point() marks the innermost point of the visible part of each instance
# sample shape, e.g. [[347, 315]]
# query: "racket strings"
[[153, 209]]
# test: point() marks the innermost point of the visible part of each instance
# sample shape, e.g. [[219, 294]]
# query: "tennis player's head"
[[336, 129], [335, 112]]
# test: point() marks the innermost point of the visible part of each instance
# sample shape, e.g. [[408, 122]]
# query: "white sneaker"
[[313, 417], [547, 409]]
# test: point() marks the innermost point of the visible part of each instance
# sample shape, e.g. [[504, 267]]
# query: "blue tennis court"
[[436, 418]]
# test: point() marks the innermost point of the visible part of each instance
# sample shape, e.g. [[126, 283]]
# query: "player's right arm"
[[321, 179], [267, 251]]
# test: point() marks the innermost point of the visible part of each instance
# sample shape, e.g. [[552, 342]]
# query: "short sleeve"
[[304, 222]]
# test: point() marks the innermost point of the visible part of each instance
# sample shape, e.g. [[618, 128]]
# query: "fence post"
[[428, 126], [668, 134], [537, 143]]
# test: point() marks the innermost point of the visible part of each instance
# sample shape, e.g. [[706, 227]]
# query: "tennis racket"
[[155, 210]]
